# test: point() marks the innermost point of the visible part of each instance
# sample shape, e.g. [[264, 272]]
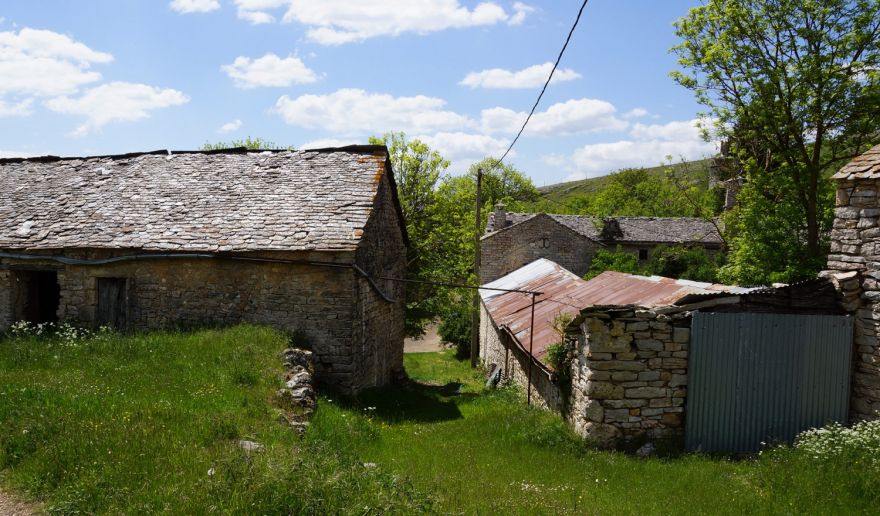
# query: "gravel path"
[[430, 342], [10, 506]]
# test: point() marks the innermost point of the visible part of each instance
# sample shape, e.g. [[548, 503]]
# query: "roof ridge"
[[230, 150]]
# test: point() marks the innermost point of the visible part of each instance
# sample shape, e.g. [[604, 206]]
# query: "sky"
[[94, 77]]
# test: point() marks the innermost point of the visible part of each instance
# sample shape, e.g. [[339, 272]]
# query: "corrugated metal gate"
[[759, 377]]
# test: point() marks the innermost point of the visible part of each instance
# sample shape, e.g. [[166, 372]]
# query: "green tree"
[[683, 262], [454, 234], [417, 170], [794, 87], [248, 143], [616, 260]]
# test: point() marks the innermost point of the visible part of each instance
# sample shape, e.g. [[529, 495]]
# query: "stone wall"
[[6, 309], [540, 237], [497, 347], [629, 374], [382, 303], [854, 265], [323, 303]]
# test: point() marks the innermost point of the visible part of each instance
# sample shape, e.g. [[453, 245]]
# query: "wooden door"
[[112, 309]]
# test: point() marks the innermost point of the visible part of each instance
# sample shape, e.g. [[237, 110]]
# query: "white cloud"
[[335, 22], [229, 127], [650, 146], [636, 113], [532, 77], [462, 149], [194, 6], [323, 143], [269, 70], [563, 118], [355, 111], [22, 108], [520, 11], [115, 102], [44, 63]]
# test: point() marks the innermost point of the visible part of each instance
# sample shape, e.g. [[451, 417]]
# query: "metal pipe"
[[531, 356]]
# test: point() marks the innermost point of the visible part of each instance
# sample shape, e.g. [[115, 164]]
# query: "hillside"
[[563, 192]]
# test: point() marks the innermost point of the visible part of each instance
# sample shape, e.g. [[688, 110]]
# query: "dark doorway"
[[36, 296], [112, 309]]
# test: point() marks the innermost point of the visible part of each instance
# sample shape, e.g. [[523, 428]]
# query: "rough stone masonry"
[[854, 266]]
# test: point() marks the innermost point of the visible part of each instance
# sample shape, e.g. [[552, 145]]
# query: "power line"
[[538, 100]]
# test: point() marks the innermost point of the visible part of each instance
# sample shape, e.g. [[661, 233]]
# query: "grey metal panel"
[[758, 378]]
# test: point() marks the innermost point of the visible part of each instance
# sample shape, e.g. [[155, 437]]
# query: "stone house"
[[300, 240], [516, 239]]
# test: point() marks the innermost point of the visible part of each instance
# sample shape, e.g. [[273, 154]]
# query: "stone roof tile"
[[191, 201]]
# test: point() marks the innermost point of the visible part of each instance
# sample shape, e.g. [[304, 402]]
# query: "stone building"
[[854, 265], [516, 239], [300, 240], [629, 342]]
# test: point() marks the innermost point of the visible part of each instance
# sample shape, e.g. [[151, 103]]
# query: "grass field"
[[150, 423]]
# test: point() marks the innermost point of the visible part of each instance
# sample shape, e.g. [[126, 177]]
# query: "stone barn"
[[300, 240]]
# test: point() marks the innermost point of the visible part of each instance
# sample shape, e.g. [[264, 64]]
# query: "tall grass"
[[150, 424]]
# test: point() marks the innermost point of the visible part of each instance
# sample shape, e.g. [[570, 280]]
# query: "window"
[[545, 243], [643, 254], [112, 306], [37, 296]]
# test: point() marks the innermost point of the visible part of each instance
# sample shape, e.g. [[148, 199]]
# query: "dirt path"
[[10, 506], [429, 343]]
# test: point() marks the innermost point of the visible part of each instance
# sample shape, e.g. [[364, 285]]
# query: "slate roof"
[[658, 230], [866, 166], [231, 200]]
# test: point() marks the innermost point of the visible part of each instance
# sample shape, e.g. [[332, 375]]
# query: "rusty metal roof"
[[617, 288], [564, 292]]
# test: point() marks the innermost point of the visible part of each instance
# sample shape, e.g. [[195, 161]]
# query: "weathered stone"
[[615, 365], [593, 411], [649, 345], [601, 434], [646, 392], [624, 376], [678, 380], [680, 335], [648, 376], [604, 391]]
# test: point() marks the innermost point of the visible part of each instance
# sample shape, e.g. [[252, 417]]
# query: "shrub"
[[455, 327]]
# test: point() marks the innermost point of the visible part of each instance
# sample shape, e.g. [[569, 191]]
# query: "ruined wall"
[[496, 347], [629, 375], [854, 265], [381, 254], [540, 237]]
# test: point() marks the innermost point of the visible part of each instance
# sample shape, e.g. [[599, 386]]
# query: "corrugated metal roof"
[[564, 292], [617, 288]]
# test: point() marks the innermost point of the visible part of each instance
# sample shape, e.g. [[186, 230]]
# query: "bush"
[[617, 260], [690, 263], [455, 327]]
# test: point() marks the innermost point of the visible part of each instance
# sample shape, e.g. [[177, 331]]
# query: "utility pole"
[[475, 308]]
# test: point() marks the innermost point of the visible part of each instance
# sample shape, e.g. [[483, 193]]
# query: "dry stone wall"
[[630, 374], [854, 266]]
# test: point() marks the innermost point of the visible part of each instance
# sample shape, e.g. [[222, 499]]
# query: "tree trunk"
[[813, 213]]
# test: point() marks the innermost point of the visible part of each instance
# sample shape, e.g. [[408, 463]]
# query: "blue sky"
[[112, 76]]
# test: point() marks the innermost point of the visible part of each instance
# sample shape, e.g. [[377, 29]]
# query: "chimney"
[[500, 216]]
